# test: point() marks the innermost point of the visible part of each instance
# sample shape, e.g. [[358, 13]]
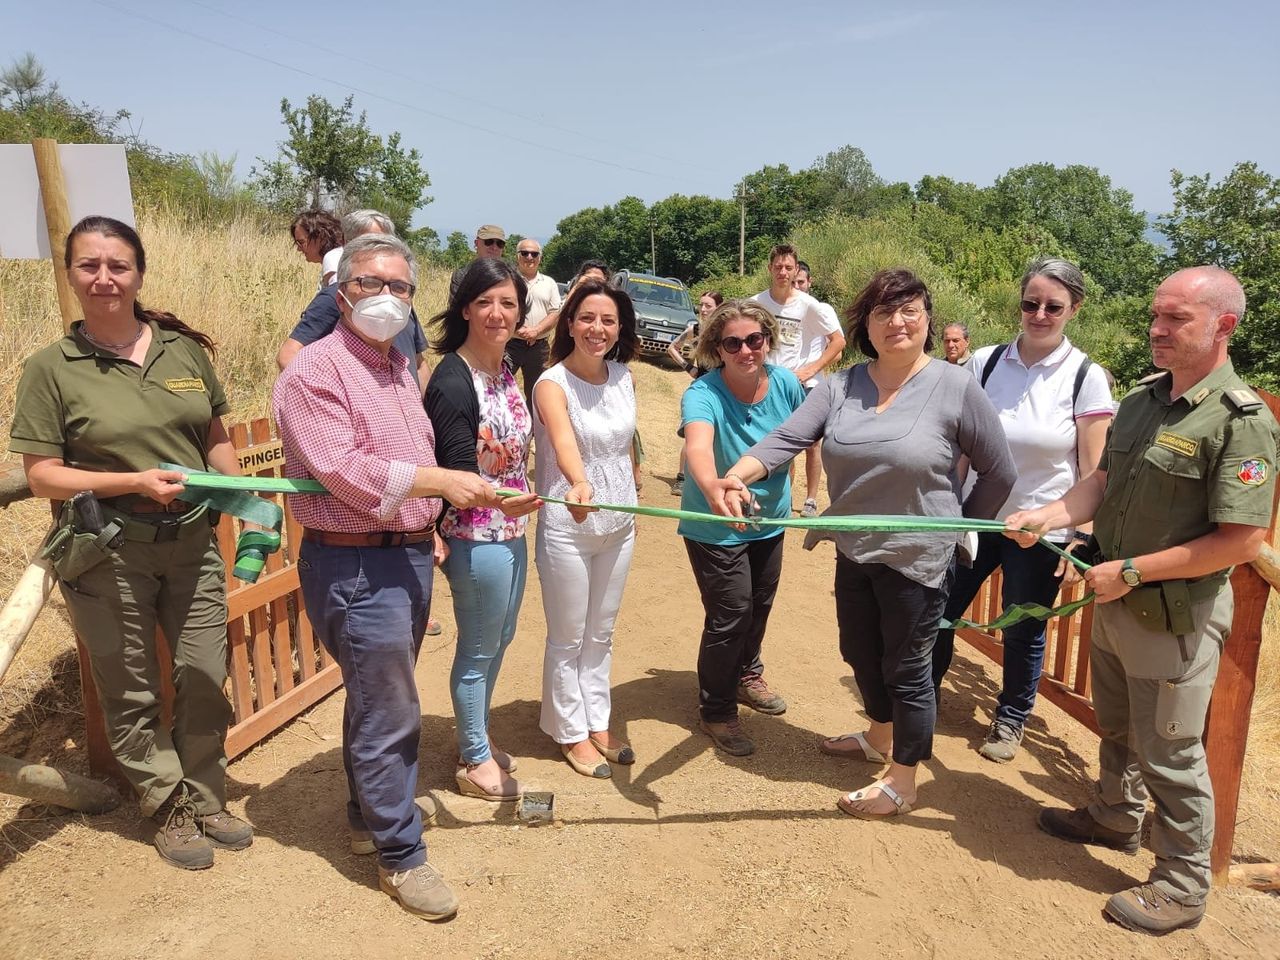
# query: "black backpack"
[[989, 367]]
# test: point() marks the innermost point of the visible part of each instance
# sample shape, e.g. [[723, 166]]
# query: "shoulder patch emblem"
[[1252, 473], [1244, 400], [1183, 445], [185, 385]]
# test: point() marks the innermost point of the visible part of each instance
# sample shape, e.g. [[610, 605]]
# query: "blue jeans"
[[487, 582], [369, 607], [1028, 578]]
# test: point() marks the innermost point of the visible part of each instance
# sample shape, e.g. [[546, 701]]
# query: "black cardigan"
[[454, 411]]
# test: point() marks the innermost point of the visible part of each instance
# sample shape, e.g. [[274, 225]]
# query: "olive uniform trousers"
[[116, 607], [1151, 692]]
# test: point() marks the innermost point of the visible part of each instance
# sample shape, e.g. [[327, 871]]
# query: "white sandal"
[[846, 802], [868, 752]]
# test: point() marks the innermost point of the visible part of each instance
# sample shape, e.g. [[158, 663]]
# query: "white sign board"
[[97, 179]]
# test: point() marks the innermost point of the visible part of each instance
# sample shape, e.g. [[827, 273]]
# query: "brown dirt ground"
[[688, 853]]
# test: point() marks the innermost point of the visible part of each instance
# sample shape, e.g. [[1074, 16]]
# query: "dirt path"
[[687, 853]]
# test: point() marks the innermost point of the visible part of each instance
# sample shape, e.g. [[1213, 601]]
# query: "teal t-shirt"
[[738, 426]]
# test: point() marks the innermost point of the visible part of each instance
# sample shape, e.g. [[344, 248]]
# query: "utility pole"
[[742, 231], [653, 250]]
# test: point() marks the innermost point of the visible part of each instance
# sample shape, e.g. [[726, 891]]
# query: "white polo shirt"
[[1039, 419], [543, 297]]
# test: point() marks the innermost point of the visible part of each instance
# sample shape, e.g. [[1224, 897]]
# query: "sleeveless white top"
[[604, 421]]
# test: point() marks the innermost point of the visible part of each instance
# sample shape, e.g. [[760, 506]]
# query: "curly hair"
[[321, 225]]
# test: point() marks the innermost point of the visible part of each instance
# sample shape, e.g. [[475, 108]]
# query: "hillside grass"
[[246, 289]]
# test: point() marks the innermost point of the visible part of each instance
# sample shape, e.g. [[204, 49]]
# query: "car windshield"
[[658, 291]]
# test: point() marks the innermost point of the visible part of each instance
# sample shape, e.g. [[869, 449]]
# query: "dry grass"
[[246, 289]]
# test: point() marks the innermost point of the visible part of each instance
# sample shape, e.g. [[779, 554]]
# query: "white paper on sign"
[[97, 179]]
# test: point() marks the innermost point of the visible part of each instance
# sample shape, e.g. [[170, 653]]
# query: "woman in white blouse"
[[585, 417]]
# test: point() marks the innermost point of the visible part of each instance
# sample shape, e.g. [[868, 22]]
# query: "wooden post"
[[57, 217], [44, 784], [1228, 728]]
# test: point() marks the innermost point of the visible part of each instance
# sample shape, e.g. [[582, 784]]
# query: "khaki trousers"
[[116, 607], [1151, 692]]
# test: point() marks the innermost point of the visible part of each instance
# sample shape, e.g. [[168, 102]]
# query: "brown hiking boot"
[[729, 737], [420, 890], [224, 829], [1147, 909], [179, 840], [755, 693], [1079, 826]]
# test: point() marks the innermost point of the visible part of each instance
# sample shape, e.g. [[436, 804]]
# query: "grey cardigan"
[[901, 461]]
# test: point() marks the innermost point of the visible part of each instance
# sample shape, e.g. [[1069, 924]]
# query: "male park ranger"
[[1183, 493]]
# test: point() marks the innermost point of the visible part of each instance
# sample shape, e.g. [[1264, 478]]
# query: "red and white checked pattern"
[[354, 421]]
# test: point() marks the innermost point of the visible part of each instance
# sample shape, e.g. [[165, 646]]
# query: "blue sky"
[[527, 112]]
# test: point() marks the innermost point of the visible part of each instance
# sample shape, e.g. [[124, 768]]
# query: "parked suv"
[[663, 309]]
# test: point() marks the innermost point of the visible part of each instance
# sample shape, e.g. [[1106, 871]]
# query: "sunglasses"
[[373, 285], [754, 341], [531, 254], [494, 243], [1031, 308]]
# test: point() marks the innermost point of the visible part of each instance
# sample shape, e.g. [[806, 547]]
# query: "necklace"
[[84, 328], [472, 361]]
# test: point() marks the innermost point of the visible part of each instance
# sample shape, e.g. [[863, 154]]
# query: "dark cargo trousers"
[[116, 606], [1151, 692]]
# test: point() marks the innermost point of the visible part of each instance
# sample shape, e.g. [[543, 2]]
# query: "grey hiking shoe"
[[224, 829], [1147, 909], [1003, 740], [809, 509], [729, 737], [179, 840], [755, 693], [1078, 826], [362, 840], [420, 890]]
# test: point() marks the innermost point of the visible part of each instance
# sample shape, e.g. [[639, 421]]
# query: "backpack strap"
[[989, 367], [1085, 364]]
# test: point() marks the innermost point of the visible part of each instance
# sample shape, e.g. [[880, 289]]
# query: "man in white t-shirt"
[[528, 348], [809, 338]]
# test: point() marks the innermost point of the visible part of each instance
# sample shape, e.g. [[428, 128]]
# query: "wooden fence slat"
[[265, 722]]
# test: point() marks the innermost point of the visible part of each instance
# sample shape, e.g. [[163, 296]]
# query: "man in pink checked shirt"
[[350, 416]]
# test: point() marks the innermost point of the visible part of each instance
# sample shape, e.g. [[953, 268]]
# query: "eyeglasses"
[[494, 243], [531, 254], [1031, 308], [754, 341], [372, 285], [910, 315]]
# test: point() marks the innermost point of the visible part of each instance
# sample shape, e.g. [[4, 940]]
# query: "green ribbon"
[[233, 495], [252, 546]]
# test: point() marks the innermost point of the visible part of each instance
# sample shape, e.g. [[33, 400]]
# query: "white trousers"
[[582, 576]]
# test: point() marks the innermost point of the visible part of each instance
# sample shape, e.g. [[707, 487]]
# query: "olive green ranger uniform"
[[100, 412], [1175, 469]]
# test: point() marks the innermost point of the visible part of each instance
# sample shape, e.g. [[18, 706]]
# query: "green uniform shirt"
[[1177, 468], [99, 412]]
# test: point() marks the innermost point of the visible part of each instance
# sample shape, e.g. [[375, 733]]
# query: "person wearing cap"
[[527, 348], [491, 241]]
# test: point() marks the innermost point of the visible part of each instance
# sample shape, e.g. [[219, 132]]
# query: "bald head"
[[1216, 288]]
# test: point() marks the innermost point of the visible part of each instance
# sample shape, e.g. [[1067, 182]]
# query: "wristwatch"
[[1130, 574]]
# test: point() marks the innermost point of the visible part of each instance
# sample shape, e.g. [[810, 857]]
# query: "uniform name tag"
[[1183, 445], [185, 385]]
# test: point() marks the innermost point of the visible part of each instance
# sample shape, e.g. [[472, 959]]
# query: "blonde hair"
[[707, 353]]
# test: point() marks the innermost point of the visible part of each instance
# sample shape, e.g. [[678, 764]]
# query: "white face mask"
[[379, 317]]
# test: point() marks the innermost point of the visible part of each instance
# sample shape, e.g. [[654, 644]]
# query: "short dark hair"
[[801, 265], [783, 250], [318, 224], [888, 288], [628, 343], [594, 265], [480, 275]]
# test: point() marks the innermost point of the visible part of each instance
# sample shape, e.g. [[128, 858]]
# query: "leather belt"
[[378, 538], [151, 506]]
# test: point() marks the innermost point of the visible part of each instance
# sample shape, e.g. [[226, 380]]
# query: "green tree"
[[458, 250], [330, 158], [1235, 224], [1078, 205]]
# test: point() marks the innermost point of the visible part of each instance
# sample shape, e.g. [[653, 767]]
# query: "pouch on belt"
[[83, 538]]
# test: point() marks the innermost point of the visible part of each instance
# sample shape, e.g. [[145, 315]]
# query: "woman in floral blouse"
[[482, 424]]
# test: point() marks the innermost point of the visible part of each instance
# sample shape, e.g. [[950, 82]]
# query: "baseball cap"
[[491, 231]]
